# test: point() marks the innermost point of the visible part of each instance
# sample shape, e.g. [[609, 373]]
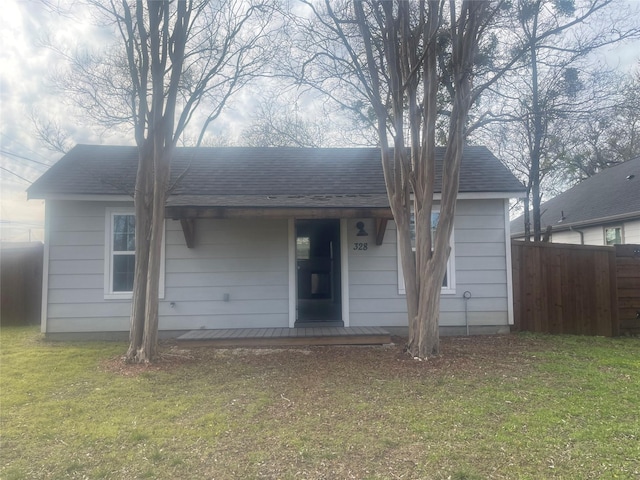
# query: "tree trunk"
[[536, 151], [149, 347], [409, 273], [432, 265], [535, 210], [527, 216], [397, 54], [143, 212], [428, 341]]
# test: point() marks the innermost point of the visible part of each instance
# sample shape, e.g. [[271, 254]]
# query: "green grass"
[[498, 407]]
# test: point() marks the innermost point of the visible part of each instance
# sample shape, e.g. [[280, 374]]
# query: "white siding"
[[244, 259], [247, 261], [595, 235], [632, 232], [75, 301], [592, 236], [480, 268]]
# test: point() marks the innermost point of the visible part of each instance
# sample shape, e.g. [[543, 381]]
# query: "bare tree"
[[569, 115], [276, 124], [52, 135], [607, 137], [296, 116], [547, 93], [175, 58], [393, 63]]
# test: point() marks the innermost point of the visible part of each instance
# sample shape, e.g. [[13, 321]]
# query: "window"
[[613, 235], [448, 284], [123, 254], [303, 248], [120, 254]]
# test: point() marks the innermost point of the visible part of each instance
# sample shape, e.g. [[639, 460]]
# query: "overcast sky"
[[25, 90]]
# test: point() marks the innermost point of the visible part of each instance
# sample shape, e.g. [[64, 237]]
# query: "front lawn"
[[519, 406]]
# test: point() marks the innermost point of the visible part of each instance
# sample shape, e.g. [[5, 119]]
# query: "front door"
[[318, 273]]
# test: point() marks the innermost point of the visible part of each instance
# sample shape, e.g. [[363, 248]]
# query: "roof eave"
[[597, 221], [561, 227], [486, 195]]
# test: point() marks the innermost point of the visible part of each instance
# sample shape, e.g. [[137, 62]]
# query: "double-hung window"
[[120, 254], [124, 252], [448, 283]]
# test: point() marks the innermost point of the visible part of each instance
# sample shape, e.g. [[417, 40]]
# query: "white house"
[[601, 210], [264, 237]]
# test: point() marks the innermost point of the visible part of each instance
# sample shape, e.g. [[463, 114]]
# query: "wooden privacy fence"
[[20, 283], [628, 277], [576, 289]]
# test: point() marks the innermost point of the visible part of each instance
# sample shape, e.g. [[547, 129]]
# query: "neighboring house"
[[601, 210], [264, 237]]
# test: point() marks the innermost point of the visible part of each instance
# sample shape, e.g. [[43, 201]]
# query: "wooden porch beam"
[[187, 212], [189, 230], [381, 227]]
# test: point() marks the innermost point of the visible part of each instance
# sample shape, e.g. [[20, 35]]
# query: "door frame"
[[344, 272]]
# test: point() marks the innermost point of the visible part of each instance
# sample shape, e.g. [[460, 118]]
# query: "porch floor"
[[257, 337]]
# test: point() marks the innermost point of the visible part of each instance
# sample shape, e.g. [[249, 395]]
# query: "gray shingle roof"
[[239, 176], [605, 197]]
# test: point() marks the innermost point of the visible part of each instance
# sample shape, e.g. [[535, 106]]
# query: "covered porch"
[[317, 243]]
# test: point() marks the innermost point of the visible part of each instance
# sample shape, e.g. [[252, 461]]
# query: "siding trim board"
[[507, 243], [291, 242], [45, 267]]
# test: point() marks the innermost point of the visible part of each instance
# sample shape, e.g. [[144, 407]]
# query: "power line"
[[5, 152], [14, 173], [29, 149]]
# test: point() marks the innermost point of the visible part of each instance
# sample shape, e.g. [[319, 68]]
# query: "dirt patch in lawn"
[[170, 358], [459, 354]]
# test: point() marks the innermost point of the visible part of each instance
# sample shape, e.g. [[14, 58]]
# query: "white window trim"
[[450, 289], [109, 294]]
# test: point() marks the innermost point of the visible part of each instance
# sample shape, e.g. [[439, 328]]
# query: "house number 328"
[[360, 246]]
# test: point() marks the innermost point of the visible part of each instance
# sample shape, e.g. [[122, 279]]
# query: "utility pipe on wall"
[[466, 295]]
